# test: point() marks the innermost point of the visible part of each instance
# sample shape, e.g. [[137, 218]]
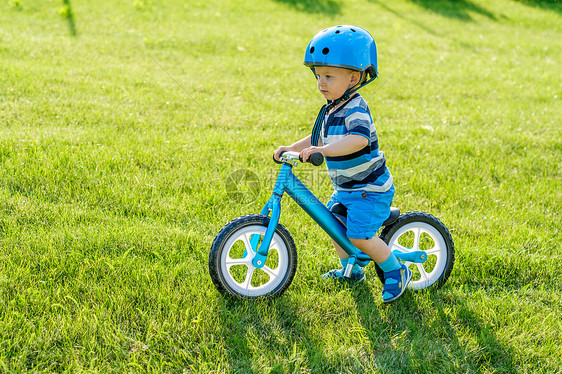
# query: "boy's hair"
[[364, 77]]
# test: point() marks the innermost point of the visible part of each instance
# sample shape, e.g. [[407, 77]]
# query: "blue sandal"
[[337, 274], [395, 283]]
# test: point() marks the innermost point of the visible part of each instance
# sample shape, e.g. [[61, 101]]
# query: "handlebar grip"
[[316, 159]]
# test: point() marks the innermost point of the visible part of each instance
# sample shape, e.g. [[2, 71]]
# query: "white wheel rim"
[[245, 287], [439, 250]]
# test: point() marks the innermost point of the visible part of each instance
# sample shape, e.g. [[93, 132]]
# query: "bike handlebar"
[[315, 159]]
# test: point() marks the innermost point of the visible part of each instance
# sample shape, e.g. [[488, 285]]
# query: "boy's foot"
[[395, 283], [337, 274]]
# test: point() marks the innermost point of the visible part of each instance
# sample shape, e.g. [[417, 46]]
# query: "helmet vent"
[[337, 31], [326, 50], [352, 30], [311, 50]]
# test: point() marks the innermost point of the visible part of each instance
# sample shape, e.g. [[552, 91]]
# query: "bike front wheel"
[[234, 248], [417, 231]]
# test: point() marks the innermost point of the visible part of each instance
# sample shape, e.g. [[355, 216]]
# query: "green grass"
[[112, 185]]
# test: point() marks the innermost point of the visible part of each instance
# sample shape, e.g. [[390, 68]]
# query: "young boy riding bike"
[[344, 59]]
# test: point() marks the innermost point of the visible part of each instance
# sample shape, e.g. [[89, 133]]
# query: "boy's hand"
[[280, 150], [305, 153]]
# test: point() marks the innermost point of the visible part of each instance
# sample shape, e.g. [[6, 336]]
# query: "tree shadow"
[[554, 5], [67, 12], [422, 26], [459, 9], [326, 7]]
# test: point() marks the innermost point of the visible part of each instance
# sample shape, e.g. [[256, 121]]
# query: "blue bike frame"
[[289, 183]]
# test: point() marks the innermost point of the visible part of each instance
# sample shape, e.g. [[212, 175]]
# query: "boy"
[[344, 59]]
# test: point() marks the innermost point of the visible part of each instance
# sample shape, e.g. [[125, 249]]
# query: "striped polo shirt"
[[365, 169]]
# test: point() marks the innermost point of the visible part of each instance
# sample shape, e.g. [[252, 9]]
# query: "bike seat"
[[394, 214], [341, 210]]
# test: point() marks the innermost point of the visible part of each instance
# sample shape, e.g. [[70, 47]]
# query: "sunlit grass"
[[115, 178]]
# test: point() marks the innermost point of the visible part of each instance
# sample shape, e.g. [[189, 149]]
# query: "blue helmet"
[[345, 46]]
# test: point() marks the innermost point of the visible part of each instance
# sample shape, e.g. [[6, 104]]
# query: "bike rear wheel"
[[232, 252], [418, 231]]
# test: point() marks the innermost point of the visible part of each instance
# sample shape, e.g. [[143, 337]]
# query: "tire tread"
[[415, 216], [226, 232]]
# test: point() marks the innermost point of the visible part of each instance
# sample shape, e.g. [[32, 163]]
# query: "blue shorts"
[[366, 211]]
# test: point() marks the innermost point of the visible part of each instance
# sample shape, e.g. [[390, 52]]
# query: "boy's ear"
[[355, 78]]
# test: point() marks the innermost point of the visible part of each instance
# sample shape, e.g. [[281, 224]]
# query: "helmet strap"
[[326, 107]]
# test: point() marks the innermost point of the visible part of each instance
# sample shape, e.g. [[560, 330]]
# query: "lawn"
[[123, 122]]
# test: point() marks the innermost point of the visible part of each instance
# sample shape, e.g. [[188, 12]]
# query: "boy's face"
[[333, 82]]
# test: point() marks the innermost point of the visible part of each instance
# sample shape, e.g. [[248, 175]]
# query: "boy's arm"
[[348, 144], [295, 147], [300, 145]]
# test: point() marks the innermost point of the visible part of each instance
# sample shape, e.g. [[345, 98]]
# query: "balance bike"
[[254, 256]]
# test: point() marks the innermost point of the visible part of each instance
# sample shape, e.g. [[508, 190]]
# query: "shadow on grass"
[[326, 7], [554, 5], [67, 12], [459, 9], [414, 334], [412, 20], [254, 329], [415, 342], [489, 353], [383, 5], [388, 354]]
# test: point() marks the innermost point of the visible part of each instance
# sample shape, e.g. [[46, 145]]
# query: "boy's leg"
[[397, 276], [375, 248], [356, 275], [339, 250], [343, 259]]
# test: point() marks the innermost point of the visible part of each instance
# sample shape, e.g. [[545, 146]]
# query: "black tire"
[[440, 267], [230, 242]]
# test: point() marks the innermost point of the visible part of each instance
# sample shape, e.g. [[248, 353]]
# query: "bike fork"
[[273, 206]]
